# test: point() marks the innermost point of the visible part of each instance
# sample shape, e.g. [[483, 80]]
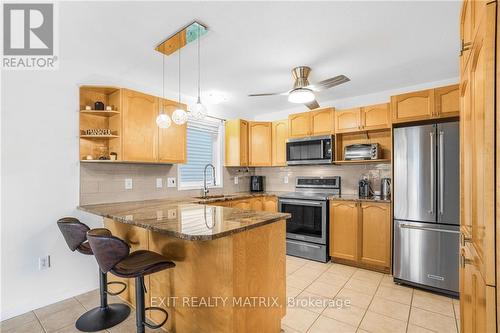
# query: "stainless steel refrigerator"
[[426, 206]]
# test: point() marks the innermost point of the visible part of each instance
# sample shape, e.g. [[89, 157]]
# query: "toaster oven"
[[367, 151]]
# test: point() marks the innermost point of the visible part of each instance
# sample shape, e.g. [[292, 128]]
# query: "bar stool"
[[113, 255], [106, 315]]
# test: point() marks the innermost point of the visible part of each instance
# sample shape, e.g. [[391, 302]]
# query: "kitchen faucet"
[[205, 188]]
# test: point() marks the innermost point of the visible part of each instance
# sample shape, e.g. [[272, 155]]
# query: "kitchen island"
[[230, 263]]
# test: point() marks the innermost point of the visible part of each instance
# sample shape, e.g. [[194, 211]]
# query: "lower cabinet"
[[242, 204], [270, 204], [265, 203], [360, 233]]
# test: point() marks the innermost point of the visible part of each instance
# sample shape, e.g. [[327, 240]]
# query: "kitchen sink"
[[215, 196]]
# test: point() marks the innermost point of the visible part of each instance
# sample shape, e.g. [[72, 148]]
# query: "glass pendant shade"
[[163, 120], [180, 116], [199, 111], [301, 95]]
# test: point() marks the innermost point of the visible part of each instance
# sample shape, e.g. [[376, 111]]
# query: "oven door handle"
[[302, 202], [303, 244]]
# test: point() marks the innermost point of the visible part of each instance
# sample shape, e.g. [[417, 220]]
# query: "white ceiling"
[[252, 46]]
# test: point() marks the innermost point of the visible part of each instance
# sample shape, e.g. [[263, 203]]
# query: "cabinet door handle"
[[465, 261], [464, 239], [464, 47]]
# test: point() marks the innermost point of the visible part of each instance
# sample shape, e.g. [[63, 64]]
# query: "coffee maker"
[[256, 183], [364, 188]]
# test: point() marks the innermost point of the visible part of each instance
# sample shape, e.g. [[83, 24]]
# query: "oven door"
[[314, 150], [308, 221]]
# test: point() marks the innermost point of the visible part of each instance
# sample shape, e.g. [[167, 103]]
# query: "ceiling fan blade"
[[328, 83], [312, 105], [268, 94]]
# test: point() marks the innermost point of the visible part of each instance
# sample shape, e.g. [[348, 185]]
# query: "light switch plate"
[[128, 183], [44, 262], [159, 183], [236, 180], [171, 182], [159, 215], [285, 180]]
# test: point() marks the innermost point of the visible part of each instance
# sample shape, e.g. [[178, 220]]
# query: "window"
[[204, 145]]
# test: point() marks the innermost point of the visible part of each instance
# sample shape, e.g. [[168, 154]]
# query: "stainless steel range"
[[307, 230]]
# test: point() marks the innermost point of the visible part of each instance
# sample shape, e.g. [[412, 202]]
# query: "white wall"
[[355, 101]]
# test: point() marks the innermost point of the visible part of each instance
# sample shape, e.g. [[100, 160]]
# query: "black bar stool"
[[113, 255], [106, 315]]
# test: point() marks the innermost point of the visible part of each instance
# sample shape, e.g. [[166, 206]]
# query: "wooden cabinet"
[[447, 102], [256, 204], [299, 125], [242, 204], [270, 204], [279, 137], [236, 142], [348, 120], [360, 233], [140, 132], [344, 230], [172, 145], [260, 143], [376, 234], [376, 116], [322, 121], [418, 105]]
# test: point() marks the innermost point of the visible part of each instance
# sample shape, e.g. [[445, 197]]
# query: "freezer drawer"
[[427, 254]]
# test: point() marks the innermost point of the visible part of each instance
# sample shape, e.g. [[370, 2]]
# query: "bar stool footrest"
[[118, 292], [155, 308]]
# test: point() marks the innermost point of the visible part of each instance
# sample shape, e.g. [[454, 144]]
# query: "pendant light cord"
[[199, 66], [179, 69]]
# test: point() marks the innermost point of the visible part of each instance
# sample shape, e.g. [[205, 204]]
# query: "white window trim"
[[219, 157]]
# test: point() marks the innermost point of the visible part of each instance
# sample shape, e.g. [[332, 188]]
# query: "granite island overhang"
[[230, 263]]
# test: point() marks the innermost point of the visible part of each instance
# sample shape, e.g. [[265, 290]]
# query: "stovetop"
[[314, 188], [307, 195]]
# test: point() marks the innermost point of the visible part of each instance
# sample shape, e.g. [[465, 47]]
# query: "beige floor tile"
[[387, 280], [17, 321], [23, 327], [395, 294], [389, 308], [377, 323], [333, 278], [323, 289], [456, 307], [347, 271], [41, 313], [327, 325], [292, 267], [351, 315], [363, 286], [432, 321], [366, 275], [292, 291], [434, 303], [287, 329], [128, 326], [458, 325], [417, 329], [72, 329], [355, 298], [360, 330], [299, 319], [296, 282], [89, 300], [312, 302], [57, 320], [307, 273]]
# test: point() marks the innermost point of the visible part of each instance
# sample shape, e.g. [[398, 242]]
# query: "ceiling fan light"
[[180, 116], [301, 96], [163, 120]]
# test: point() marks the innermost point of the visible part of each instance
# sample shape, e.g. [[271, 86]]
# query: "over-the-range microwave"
[[310, 150]]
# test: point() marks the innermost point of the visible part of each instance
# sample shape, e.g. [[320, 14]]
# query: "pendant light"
[[200, 111], [179, 116], [163, 120]]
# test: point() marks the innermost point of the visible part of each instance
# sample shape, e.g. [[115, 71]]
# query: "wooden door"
[[140, 132], [348, 120], [256, 204], [242, 204], [299, 125], [344, 230], [270, 204], [418, 105], [375, 234], [259, 142], [236, 142], [447, 101], [322, 121], [376, 116], [172, 141], [279, 137]]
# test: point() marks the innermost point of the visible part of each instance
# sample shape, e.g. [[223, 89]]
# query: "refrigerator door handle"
[[441, 172], [409, 226], [431, 134]]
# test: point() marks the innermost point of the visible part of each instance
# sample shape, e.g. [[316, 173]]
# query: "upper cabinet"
[[376, 116], [140, 132], [236, 143], [167, 152], [279, 137], [322, 121], [260, 143], [348, 120], [413, 106], [447, 101], [299, 125]]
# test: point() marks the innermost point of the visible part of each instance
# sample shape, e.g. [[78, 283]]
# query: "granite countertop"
[[187, 218], [355, 197]]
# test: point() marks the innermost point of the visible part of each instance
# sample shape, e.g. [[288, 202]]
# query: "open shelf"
[[102, 113], [99, 136], [378, 161]]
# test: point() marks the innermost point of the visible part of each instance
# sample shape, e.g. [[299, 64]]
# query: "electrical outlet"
[[171, 182], [159, 183], [236, 180], [44, 262], [128, 183], [285, 180], [172, 214]]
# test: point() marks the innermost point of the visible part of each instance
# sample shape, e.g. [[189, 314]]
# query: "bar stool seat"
[[141, 262], [106, 315]]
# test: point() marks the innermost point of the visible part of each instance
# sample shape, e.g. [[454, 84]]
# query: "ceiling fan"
[[302, 91]]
